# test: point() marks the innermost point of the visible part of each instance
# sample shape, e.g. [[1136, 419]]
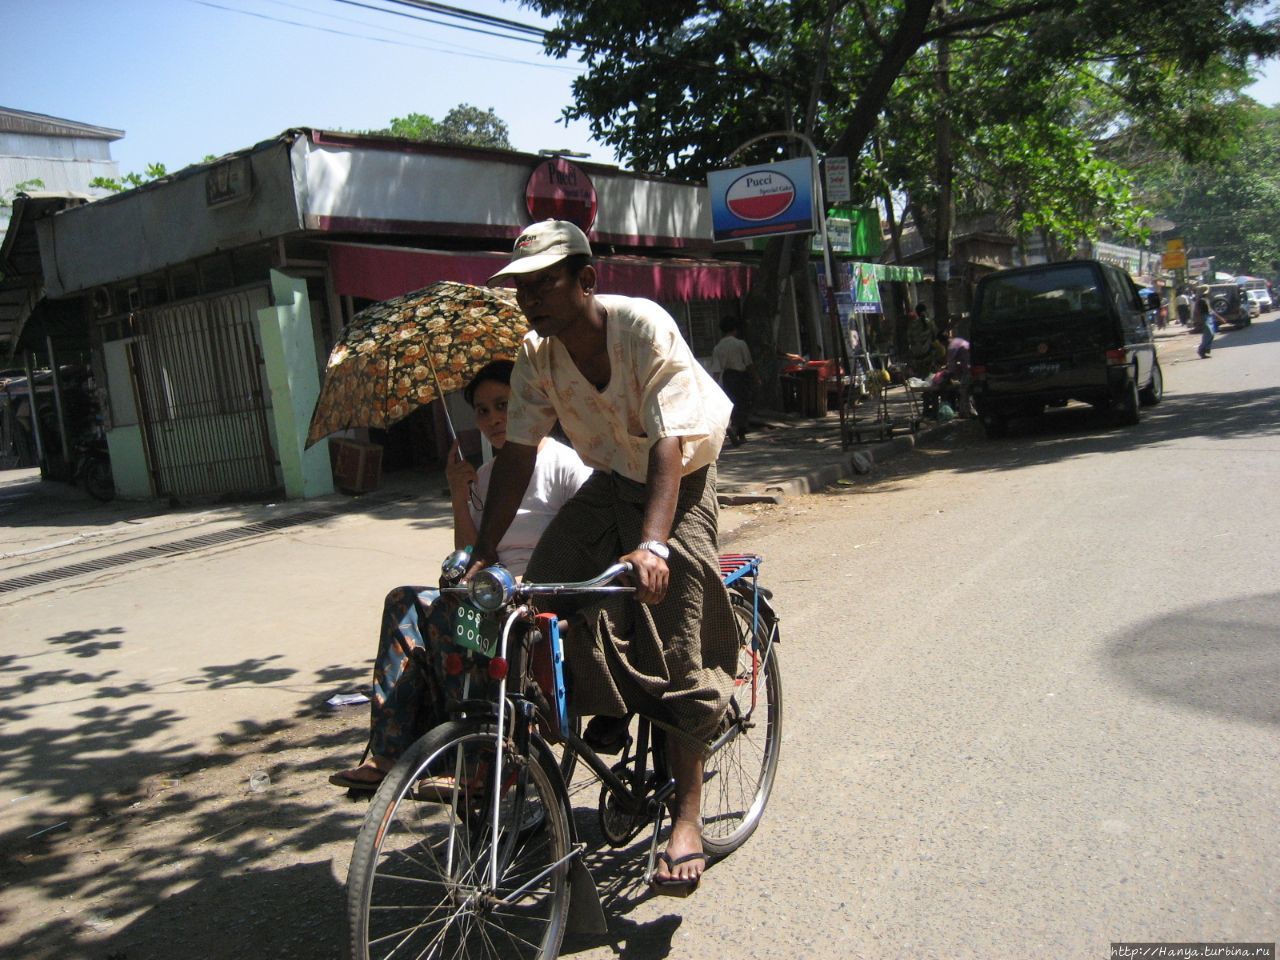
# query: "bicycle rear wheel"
[[420, 885], [739, 775]]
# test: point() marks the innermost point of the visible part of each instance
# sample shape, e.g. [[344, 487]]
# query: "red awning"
[[379, 273]]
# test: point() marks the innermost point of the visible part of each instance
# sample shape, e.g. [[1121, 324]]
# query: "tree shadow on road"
[[1220, 658], [152, 843]]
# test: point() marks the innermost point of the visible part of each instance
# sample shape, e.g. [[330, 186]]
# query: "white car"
[[1261, 298]]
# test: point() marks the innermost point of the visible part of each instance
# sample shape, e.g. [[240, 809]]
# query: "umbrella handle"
[[453, 434]]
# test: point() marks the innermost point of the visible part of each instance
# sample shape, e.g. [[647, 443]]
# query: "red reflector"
[[978, 371], [453, 664], [1117, 356], [497, 669]]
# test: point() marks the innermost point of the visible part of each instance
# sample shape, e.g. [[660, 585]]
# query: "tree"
[[678, 86], [464, 124], [22, 186], [474, 127], [154, 171], [1225, 206]]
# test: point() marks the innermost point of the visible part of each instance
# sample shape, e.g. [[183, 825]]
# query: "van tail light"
[[1117, 358], [978, 371]]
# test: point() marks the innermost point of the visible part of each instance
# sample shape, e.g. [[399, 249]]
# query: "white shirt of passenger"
[[558, 472], [656, 389]]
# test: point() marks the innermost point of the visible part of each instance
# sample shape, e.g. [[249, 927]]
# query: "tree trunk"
[[762, 310], [906, 40], [946, 169]]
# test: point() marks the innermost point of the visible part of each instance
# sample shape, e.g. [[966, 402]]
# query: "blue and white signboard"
[[761, 201]]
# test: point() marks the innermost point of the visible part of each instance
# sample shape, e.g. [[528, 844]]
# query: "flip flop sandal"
[[672, 886], [358, 784]]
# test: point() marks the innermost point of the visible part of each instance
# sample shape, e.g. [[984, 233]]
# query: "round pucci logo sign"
[[760, 195], [560, 190]]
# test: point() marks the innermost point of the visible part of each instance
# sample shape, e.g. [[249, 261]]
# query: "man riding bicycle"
[[639, 408]]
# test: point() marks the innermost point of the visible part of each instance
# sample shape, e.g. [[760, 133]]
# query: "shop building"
[[213, 295]]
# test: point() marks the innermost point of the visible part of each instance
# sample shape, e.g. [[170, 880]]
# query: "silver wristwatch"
[[657, 548]]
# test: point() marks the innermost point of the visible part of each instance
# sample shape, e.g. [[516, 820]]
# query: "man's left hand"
[[650, 575]]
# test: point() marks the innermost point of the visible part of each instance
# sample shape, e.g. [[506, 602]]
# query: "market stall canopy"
[[378, 272]]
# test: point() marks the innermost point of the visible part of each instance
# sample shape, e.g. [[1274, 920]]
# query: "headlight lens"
[[492, 588]]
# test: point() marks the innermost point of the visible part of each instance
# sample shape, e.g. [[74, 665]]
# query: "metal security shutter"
[[198, 377]]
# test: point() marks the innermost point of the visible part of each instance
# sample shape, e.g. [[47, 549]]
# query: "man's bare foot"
[[681, 865], [368, 775]]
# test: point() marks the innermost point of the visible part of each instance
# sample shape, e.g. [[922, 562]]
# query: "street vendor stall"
[[878, 399]]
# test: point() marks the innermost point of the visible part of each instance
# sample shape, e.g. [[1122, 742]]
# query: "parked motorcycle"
[[93, 466]]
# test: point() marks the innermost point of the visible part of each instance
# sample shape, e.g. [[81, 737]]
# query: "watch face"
[[658, 549]]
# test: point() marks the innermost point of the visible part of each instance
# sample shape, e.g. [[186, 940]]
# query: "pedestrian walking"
[[1184, 307], [1208, 320], [737, 375]]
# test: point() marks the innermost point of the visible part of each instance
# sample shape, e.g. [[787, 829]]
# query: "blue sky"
[[186, 78]]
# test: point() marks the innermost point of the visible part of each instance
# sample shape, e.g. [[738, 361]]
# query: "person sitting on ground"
[[737, 376], [411, 690], [635, 402], [922, 344]]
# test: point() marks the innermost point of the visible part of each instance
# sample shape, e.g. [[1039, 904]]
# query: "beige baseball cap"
[[543, 245]]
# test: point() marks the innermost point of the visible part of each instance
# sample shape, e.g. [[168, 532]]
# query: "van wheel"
[[1153, 393], [995, 425], [1126, 411]]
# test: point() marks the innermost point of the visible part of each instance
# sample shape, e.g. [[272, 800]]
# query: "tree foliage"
[[1225, 206], [22, 186], [678, 86], [464, 124], [154, 171]]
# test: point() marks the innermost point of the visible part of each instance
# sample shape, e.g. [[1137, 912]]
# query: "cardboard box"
[[357, 466]]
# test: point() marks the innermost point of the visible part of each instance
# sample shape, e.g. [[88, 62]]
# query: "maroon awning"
[[379, 273]]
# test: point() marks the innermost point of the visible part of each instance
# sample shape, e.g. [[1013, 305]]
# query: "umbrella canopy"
[[401, 354]]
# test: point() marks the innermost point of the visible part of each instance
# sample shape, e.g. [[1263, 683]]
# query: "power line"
[[450, 50], [473, 15], [445, 23]]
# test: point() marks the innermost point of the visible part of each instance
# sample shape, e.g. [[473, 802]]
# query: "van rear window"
[[1038, 294]]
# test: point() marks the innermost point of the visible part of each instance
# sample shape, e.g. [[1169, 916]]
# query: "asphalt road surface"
[[1032, 694], [1031, 708]]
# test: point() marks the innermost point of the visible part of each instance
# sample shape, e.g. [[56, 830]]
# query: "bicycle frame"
[[740, 573]]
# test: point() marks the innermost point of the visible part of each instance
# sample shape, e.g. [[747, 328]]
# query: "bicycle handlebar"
[[597, 584]]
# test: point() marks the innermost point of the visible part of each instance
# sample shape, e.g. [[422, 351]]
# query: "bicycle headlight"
[[455, 565], [492, 588]]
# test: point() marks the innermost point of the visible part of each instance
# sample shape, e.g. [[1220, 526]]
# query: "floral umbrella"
[[401, 354]]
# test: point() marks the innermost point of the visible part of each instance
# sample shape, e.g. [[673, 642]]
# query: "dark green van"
[[1048, 334]]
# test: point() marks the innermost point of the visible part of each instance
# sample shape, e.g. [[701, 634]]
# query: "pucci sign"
[[560, 190], [765, 200]]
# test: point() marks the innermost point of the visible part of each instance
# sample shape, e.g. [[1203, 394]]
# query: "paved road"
[[1031, 708]]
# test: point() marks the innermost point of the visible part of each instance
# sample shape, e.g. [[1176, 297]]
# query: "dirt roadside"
[[193, 861]]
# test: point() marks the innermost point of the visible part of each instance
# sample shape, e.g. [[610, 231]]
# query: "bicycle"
[[469, 847]]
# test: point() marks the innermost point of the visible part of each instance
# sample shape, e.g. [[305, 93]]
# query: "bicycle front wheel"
[[738, 776], [421, 876]]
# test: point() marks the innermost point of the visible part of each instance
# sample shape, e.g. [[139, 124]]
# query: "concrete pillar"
[[293, 377]]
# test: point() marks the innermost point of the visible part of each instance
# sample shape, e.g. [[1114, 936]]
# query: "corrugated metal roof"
[[22, 121]]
